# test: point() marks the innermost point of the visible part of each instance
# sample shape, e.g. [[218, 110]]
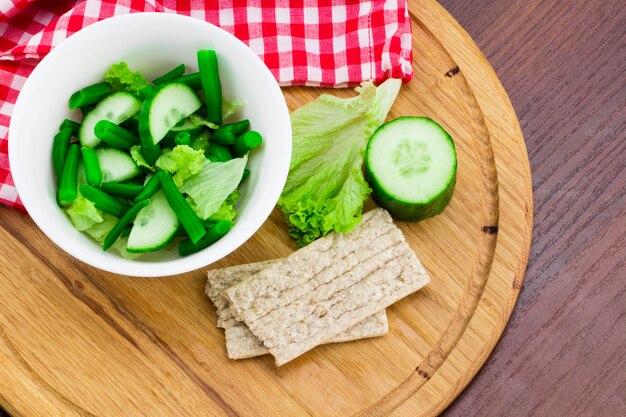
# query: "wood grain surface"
[[563, 64]]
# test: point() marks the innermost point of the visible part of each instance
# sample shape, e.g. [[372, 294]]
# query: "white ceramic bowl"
[[151, 43]]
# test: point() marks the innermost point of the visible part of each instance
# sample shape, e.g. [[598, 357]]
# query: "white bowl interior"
[[151, 43]]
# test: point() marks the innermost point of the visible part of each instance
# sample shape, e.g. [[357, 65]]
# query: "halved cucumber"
[[154, 227], [116, 165], [116, 108], [163, 109], [411, 166]]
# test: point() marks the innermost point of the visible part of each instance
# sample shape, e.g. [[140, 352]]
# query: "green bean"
[[150, 152], [221, 152], [89, 95], [246, 174], [190, 220], [246, 143], [145, 91], [93, 172], [59, 151], [213, 158], [150, 189], [67, 193], [224, 135], [115, 135], [103, 201], [121, 224], [75, 126], [192, 80], [86, 109], [213, 234], [170, 75], [122, 189], [131, 124], [210, 80], [126, 231], [183, 138]]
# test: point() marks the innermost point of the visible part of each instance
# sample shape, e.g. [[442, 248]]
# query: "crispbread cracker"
[[241, 343], [328, 286]]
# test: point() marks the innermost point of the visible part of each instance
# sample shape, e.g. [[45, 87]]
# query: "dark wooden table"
[[563, 64]]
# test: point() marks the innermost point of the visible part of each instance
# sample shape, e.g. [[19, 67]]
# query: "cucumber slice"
[[116, 107], [410, 164], [116, 165], [154, 227], [163, 109]]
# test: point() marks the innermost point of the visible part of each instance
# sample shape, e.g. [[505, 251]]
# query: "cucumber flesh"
[[116, 107], [164, 108], [154, 227], [411, 166], [116, 165]]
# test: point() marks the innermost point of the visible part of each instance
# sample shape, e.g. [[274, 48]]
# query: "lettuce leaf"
[[100, 230], [135, 153], [326, 189], [83, 213], [183, 161], [230, 107], [211, 187], [123, 78], [227, 210]]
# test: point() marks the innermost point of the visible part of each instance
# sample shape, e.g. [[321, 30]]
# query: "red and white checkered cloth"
[[329, 42]]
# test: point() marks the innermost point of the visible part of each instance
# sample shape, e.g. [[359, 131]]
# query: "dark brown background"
[[563, 63]]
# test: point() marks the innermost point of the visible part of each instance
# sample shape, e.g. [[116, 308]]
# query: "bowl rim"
[[121, 265]]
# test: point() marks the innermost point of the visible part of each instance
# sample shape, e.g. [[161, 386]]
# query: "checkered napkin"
[[331, 43]]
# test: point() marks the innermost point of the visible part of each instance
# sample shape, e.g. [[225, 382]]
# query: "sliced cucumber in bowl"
[[411, 166], [117, 107], [154, 227]]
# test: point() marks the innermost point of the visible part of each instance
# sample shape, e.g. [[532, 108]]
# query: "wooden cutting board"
[[76, 341]]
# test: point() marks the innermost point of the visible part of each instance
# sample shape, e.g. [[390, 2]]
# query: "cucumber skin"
[[404, 211], [152, 248], [409, 212]]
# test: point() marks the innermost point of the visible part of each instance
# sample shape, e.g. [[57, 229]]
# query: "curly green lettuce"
[[123, 78], [326, 189], [183, 161]]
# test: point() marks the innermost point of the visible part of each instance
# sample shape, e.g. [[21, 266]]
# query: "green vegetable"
[[115, 135], [151, 187], [183, 138], [122, 78], [411, 166], [215, 182], [325, 189], [170, 75], [230, 107], [192, 80], [192, 224], [226, 134], [122, 189], [211, 85], [183, 161], [246, 142], [100, 228], [220, 152], [72, 125], [119, 227], [213, 234], [84, 214], [67, 191], [93, 173], [227, 210], [89, 95], [135, 153], [59, 151], [103, 201], [246, 174]]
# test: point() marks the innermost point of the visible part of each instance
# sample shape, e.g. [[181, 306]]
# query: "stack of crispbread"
[[336, 289]]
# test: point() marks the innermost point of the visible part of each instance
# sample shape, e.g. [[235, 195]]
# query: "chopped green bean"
[[224, 135], [75, 126], [127, 190], [150, 152], [190, 220], [150, 189], [213, 234], [103, 201], [246, 174], [67, 191], [115, 135], [145, 91], [192, 80], [121, 224], [89, 95], [246, 143], [183, 138], [221, 152], [210, 80], [59, 151], [170, 75], [126, 231], [93, 172], [213, 158], [86, 109]]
